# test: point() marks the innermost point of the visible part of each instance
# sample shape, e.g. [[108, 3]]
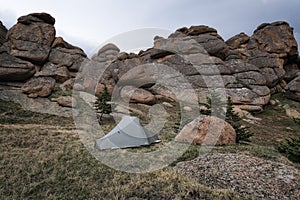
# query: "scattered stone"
[[290, 112], [245, 174], [167, 104]]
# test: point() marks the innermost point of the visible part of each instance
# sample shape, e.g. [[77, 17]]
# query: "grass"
[[41, 157]]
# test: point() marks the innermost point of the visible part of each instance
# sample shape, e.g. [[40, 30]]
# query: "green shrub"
[[291, 149], [297, 120], [242, 132]]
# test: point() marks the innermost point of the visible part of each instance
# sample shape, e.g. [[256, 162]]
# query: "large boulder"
[[15, 69], [67, 55], [31, 38], [59, 73], [3, 32], [276, 38], [39, 87], [208, 37], [293, 89], [137, 95], [207, 130], [107, 53], [238, 40]]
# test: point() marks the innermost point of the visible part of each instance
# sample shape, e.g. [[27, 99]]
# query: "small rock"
[[167, 104], [290, 112], [273, 102], [187, 108], [66, 101]]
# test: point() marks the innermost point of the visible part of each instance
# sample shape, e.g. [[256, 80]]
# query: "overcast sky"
[[90, 23]]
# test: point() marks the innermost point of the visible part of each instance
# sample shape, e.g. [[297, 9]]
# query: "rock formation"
[[30, 53], [247, 68]]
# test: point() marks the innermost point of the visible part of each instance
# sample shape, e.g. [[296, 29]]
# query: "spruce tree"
[[101, 103]]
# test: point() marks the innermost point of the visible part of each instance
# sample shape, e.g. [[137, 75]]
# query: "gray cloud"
[[89, 23]]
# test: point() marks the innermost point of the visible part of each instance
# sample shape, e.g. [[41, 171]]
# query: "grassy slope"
[[42, 157]]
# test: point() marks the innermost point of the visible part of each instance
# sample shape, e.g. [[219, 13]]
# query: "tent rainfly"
[[128, 133]]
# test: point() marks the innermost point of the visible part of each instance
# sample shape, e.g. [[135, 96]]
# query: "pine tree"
[[101, 103], [291, 149], [242, 132]]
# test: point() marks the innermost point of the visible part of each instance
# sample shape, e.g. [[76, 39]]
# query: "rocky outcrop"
[[3, 32], [247, 70], [192, 61], [275, 38], [207, 130], [31, 38], [273, 49], [33, 54]]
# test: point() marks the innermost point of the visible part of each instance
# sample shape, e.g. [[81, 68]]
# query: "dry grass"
[[41, 157]]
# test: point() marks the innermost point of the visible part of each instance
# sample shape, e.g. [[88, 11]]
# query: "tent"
[[128, 133]]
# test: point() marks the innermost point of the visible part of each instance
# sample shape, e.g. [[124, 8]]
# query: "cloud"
[[90, 23]]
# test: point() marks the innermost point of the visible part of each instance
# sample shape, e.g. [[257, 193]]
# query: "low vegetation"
[[43, 158], [291, 149]]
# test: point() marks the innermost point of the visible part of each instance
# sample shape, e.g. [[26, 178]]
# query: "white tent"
[[128, 133]]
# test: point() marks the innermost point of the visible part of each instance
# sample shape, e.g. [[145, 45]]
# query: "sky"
[[91, 23]]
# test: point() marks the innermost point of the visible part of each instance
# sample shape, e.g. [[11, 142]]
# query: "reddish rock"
[[137, 95], [31, 37], [207, 130], [65, 101], [277, 38], [39, 87], [238, 40]]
